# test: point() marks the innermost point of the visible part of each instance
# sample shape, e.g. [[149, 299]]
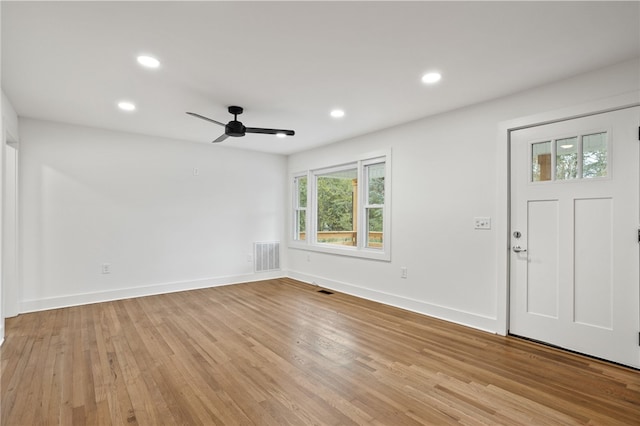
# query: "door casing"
[[503, 207]]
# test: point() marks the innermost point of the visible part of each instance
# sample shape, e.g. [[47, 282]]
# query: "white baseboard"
[[442, 312], [141, 291], [468, 319]]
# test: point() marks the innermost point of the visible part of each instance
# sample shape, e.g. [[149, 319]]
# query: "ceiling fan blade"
[[269, 131], [221, 138], [206, 118]]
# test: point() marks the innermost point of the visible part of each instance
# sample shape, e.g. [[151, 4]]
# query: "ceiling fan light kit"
[[236, 129]]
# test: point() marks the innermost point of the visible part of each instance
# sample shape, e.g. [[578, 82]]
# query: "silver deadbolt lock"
[[517, 234]]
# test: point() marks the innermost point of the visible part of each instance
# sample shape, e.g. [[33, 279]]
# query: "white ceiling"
[[289, 63]]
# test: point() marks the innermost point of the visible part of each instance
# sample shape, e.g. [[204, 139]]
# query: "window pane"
[[375, 174], [541, 161], [301, 183], [337, 206], [374, 228], [567, 158], [594, 155], [300, 208], [301, 225]]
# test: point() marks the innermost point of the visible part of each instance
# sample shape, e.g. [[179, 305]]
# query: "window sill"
[[371, 254]]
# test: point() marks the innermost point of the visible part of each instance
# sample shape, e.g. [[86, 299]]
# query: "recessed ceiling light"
[[337, 113], [431, 77], [148, 61], [126, 106]]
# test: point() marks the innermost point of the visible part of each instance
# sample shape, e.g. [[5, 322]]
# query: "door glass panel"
[[594, 155], [567, 158], [541, 161]]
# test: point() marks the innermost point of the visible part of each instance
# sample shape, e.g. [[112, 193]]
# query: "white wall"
[[9, 134], [90, 196], [10, 119], [10, 270], [2, 133], [9, 273], [2, 315], [444, 174]]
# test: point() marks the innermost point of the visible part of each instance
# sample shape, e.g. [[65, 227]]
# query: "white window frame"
[[297, 209], [360, 250], [363, 224]]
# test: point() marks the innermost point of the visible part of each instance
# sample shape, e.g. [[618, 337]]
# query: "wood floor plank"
[[277, 352]]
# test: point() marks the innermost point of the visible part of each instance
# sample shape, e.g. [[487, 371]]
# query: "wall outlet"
[[196, 172], [106, 268], [403, 272], [481, 223], [249, 258]]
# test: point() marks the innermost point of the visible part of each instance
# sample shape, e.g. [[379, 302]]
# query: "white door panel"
[[575, 190]]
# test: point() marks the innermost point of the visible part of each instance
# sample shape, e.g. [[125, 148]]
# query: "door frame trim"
[[503, 207]]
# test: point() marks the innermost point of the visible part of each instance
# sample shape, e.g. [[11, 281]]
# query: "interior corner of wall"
[[9, 120]]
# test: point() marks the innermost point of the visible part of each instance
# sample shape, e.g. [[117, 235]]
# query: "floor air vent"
[[266, 256], [325, 292]]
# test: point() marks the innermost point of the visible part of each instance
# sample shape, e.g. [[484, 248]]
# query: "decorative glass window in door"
[[568, 158]]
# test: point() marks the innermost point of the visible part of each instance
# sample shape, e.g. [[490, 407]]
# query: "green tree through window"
[[335, 212], [374, 204]]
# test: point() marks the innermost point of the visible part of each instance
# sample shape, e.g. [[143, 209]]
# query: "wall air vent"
[[266, 256]]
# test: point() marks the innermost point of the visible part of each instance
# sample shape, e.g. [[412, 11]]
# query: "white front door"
[[575, 257]]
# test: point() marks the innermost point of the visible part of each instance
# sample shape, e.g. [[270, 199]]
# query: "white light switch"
[[403, 272], [482, 223]]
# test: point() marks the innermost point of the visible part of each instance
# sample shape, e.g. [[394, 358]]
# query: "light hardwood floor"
[[278, 352]]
